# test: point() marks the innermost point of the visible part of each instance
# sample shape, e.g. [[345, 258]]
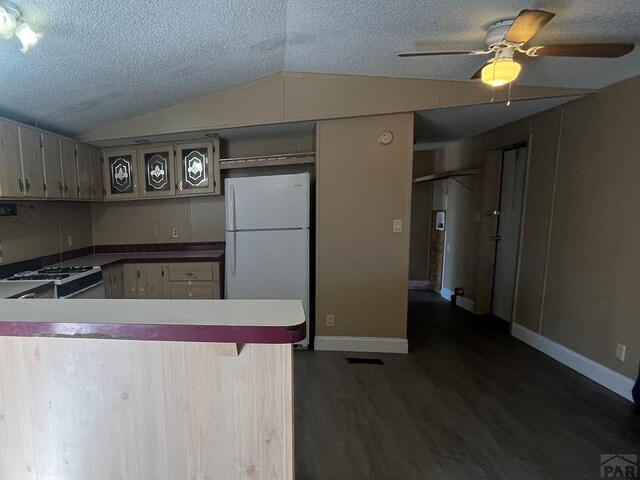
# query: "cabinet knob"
[[20, 185], [27, 185]]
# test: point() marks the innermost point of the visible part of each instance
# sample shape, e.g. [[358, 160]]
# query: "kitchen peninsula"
[[141, 389]]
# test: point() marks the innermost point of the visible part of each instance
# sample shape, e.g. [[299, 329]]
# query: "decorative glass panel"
[[120, 170], [195, 171], [156, 167]]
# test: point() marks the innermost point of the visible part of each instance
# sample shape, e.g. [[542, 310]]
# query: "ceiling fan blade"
[[478, 74], [602, 50], [430, 54], [527, 24]]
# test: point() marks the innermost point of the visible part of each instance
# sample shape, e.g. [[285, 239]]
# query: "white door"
[[267, 202], [268, 264], [514, 164]]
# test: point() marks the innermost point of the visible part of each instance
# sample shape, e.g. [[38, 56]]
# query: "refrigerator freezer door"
[[267, 203], [271, 264]]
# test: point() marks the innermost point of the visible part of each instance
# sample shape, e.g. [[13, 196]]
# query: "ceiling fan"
[[508, 37]]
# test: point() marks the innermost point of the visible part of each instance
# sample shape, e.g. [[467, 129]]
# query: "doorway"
[[512, 184], [436, 250]]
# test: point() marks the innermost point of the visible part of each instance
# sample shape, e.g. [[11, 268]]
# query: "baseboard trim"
[[446, 294], [462, 302], [418, 284], [362, 344], [466, 303], [606, 377]]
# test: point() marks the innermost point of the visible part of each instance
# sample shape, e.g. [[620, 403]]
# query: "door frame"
[[516, 278], [492, 187]]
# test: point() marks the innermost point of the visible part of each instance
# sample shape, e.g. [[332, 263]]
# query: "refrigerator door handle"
[[232, 254], [232, 209]]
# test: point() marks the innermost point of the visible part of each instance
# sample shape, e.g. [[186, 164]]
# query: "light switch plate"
[[397, 225], [621, 352], [70, 240]]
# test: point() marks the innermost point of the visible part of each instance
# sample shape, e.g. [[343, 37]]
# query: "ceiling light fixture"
[[11, 24], [503, 69]]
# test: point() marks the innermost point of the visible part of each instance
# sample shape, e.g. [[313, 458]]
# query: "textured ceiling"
[[104, 61], [432, 128]]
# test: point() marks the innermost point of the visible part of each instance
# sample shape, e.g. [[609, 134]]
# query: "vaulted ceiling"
[[100, 62]]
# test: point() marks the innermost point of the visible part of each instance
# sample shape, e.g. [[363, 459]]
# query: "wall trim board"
[[418, 284], [446, 294], [606, 377], [362, 344], [466, 303]]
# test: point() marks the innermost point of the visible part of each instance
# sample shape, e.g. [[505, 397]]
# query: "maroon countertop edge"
[[167, 333]]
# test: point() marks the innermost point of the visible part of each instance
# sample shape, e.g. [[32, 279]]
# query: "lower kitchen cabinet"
[[192, 280], [113, 282], [173, 281]]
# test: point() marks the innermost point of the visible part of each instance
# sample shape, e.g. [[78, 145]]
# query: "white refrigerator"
[[267, 238]]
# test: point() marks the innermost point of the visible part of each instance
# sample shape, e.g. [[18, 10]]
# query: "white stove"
[[69, 282]]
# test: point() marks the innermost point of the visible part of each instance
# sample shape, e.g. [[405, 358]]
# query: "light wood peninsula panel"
[[79, 409]]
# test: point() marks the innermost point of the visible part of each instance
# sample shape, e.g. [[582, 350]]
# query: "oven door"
[[94, 291]]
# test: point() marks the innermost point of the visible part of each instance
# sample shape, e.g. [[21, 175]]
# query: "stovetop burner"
[[55, 276], [64, 270]]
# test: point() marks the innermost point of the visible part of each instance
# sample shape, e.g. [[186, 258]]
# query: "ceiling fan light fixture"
[[500, 71], [27, 36], [8, 21]]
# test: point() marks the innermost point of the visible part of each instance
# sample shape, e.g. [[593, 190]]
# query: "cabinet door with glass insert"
[[156, 171], [121, 174], [197, 167]]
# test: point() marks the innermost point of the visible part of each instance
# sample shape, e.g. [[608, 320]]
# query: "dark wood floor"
[[468, 402]]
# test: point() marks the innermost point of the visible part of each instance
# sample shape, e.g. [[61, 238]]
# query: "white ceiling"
[[104, 61], [433, 128]]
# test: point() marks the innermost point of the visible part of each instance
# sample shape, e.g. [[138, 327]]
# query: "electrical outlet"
[[175, 233], [397, 225], [331, 321], [621, 352], [156, 229], [70, 240]]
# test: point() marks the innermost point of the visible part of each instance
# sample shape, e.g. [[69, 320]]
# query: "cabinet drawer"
[[195, 272], [205, 290]]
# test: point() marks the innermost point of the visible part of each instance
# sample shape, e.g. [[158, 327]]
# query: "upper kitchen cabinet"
[[198, 168], [69, 168], [32, 166], [11, 184], [156, 168], [97, 185], [120, 174], [52, 166], [83, 166]]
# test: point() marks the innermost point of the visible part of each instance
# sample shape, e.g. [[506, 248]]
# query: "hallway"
[[468, 402]]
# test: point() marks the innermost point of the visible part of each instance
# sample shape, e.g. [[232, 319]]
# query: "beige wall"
[[42, 228], [362, 267], [421, 205], [294, 97], [578, 268], [198, 219]]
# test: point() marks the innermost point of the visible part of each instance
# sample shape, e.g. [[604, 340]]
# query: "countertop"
[[17, 289], [106, 260], [229, 321]]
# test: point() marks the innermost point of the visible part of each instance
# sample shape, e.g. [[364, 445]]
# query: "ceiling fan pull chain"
[[509, 97]]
